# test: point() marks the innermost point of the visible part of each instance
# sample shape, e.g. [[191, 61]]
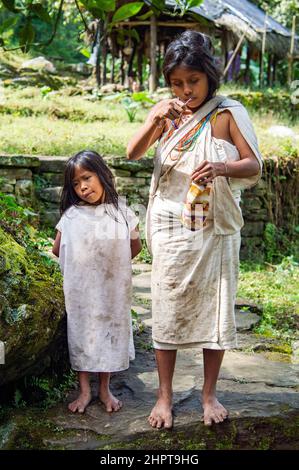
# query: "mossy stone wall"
[[37, 182]]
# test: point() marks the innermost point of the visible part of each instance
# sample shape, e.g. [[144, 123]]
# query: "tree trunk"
[[153, 65], [247, 67], [140, 64], [122, 70]]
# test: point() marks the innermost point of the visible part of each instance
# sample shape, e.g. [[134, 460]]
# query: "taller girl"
[[207, 153]]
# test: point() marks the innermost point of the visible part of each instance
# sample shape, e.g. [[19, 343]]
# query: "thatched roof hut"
[[240, 17], [231, 21]]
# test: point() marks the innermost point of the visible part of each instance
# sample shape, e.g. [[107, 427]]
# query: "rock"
[[108, 89], [51, 194], [19, 161], [252, 229], [246, 320], [53, 179], [50, 217], [130, 165], [39, 63], [295, 352], [31, 311], [121, 173], [13, 174], [7, 188], [24, 188], [281, 131], [253, 307], [52, 164]]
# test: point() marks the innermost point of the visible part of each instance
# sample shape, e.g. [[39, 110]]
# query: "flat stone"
[[253, 307], [243, 387], [121, 173], [141, 310], [13, 174], [7, 188], [51, 194], [24, 188], [50, 217], [143, 267], [131, 165], [246, 320], [142, 282], [19, 161], [53, 179], [252, 229], [295, 352], [52, 164]]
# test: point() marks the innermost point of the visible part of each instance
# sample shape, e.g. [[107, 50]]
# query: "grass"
[[62, 125], [275, 288]]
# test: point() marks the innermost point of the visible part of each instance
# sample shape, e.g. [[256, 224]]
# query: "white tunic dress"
[[194, 274], [95, 259]]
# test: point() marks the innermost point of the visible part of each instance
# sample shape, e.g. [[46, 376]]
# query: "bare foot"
[[80, 403], [111, 403], [161, 415], [213, 411]]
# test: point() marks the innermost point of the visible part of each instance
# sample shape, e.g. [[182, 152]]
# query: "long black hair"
[[91, 161], [192, 50]]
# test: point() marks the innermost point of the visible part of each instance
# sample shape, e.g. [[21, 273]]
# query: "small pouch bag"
[[196, 207]]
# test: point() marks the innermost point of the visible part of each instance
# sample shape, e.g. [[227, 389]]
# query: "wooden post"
[[122, 64], [104, 58], [235, 51], [274, 70], [224, 50], [263, 52], [269, 77], [290, 58], [140, 64], [153, 64], [247, 67]]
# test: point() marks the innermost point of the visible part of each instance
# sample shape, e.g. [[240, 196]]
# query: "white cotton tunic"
[[195, 273], [95, 259]]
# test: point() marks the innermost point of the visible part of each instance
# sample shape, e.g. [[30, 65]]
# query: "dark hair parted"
[[90, 161], [192, 50]]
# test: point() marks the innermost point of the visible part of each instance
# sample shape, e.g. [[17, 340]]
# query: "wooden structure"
[[233, 24]]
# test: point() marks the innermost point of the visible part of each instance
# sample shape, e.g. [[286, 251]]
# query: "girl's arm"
[[245, 167], [153, 127], [56, 246], [136, 245]]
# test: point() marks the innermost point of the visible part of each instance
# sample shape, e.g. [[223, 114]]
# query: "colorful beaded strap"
[[188, 141]]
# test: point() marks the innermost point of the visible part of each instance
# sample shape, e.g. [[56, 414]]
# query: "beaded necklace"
[[188, 141]]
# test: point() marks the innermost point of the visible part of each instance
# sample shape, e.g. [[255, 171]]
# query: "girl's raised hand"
[[168, 109]]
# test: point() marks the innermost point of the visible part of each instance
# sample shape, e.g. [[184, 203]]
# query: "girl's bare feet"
[[80, 403], [213, 411], [110, 401], [161, 415]]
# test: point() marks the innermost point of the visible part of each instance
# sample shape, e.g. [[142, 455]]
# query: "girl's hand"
[[207, 171], [168, 109]]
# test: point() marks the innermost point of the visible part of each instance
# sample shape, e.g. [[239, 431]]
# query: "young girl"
[[97, 237], [207, 153]]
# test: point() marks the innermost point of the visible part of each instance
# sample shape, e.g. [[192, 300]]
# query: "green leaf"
[[159, 4], [102, 5], [193, 3], [85, 52], [26, 36], [10, 5], [7, 24], [126, 11], [41, 12], [146, 15], [106, 5]]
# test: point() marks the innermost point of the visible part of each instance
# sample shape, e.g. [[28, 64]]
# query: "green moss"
[[32, 306]]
